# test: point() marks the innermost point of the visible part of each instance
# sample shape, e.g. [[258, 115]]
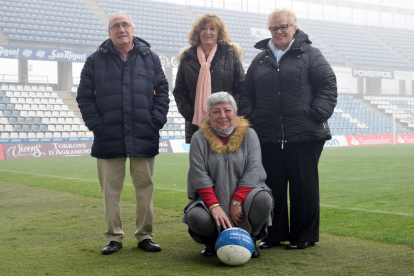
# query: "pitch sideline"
[[180, 190]]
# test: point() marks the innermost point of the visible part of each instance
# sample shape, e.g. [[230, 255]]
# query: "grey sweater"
[[225, 168]]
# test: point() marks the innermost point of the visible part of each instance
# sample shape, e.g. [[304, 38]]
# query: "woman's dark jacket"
[[125, 104], [289, 102], [227, 73]]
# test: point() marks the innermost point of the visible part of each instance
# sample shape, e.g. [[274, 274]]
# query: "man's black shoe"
[[149, 246], [112, 247]]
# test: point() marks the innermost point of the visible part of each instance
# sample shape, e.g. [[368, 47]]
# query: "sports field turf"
[[55, 226]]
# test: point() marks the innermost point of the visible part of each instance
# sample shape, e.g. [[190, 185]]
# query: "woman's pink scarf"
[[203, 90]]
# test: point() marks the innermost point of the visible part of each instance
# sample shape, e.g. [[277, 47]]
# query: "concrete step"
[[69, 99]]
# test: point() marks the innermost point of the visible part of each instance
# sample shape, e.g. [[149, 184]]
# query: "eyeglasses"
[[124, 25], [282, 28]]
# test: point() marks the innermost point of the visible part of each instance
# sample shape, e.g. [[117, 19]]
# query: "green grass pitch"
[[52, 223]]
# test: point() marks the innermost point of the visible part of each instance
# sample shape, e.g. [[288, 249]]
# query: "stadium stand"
[[51, 22], [153, 21], [30, 113], [36, 111]]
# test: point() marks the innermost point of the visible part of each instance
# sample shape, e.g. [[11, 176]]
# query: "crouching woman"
[[226, 180]]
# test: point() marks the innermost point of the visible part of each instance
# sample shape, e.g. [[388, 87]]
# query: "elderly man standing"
[[123, 98]]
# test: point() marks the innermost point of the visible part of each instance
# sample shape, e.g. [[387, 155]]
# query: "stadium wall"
[[70, 147], [388, 80]]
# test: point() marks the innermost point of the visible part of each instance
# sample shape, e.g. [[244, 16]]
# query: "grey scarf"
[[224, 132]]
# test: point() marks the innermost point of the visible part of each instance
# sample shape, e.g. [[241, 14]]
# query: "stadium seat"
[[4, 135], [8, 100]]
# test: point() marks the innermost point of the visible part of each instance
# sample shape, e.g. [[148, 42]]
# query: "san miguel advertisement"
[[46, 150], [21, 52]]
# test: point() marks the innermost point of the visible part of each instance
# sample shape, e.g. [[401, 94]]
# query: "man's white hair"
[[119, 13]]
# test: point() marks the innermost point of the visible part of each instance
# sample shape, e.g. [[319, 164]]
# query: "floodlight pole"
[[393, 127]]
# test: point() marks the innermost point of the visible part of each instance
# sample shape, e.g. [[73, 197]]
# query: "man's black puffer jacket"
[[289, 102], [125, 104]]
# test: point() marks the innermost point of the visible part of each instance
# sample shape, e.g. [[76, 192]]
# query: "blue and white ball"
[[234, 246]]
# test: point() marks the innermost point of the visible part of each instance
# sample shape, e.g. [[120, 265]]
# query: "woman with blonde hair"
[[210, 65], [289, 94]]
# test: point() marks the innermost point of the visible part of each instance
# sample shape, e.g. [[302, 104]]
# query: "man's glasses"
[[124, 25], [282, 28]]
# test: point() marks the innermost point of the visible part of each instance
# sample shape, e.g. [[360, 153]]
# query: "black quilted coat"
[[227, 73], [125, 104], [289, 102]]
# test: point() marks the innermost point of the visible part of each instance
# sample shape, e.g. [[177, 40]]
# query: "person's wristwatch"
[[236, 203]]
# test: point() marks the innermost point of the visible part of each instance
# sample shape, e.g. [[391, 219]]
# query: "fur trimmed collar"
[[234, 141]]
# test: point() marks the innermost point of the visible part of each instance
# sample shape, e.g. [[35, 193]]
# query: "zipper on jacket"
[[324, 125], [272, 59]]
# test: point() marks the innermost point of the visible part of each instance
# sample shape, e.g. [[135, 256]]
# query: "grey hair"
[[119, 13], [219, 98]]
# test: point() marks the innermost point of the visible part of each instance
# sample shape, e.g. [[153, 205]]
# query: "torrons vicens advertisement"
[[46, 150]]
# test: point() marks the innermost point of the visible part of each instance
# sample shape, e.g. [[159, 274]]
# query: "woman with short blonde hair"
[[288, 96], [290, 15]]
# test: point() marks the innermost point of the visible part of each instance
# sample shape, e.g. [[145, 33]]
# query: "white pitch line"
[[180, 190], [368, 211], [86, 180]]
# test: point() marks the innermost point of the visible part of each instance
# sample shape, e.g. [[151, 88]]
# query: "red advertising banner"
[[404, 138], [369, 140], [379, 139], [1, 152], [46, 150]]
